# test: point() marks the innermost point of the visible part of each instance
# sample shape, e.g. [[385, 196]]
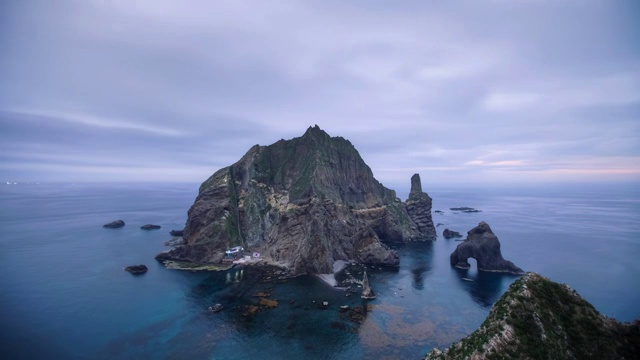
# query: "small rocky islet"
[[114, 224], [448, 234], [136, 269], [306, 203]]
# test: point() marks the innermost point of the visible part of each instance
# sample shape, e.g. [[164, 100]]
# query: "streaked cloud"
[[97, 121]]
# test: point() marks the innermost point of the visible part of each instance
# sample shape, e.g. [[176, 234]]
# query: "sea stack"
[[419, 208], [483, 245], [304, 204], [367, 292]]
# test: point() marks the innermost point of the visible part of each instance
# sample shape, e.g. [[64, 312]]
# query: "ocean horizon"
[[65, 293]]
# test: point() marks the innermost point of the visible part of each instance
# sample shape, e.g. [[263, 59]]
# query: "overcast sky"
[[476, 91]]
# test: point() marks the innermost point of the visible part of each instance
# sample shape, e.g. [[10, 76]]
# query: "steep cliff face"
[[303, 203], [540, 319], [483, 245]]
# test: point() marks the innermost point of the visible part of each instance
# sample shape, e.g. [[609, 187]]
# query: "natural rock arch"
[[483, 246]]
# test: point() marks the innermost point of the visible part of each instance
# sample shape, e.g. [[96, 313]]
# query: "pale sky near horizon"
[[481, 91]]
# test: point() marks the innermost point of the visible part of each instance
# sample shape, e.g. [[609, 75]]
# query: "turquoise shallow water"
[[65, 294]]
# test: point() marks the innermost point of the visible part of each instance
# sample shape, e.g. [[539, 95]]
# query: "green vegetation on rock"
[[540, 319]]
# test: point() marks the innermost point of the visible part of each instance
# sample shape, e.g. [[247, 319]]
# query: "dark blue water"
[[64, 293]]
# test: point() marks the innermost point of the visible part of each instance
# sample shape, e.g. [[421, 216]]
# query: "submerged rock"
[[367, 292], [448, 234], [483, 245], [114, 224], [465, 209], [216, 308], [540, 319], [150, 227], [303, 203], [136, 269]]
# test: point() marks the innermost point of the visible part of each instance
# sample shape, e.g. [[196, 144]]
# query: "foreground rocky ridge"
[[540, 319], [303, 204]]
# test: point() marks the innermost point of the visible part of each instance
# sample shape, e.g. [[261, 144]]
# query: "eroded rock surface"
[[483, 245]]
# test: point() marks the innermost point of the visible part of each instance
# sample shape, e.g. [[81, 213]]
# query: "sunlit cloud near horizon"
[[471, 92]]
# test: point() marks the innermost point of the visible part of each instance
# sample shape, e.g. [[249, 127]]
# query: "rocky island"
[[303, 204], [540, 319]]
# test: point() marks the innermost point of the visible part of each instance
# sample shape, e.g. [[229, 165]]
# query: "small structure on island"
[[367, 292], [235, 252]]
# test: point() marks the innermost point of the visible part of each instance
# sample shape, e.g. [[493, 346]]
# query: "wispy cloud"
[[97, 121]]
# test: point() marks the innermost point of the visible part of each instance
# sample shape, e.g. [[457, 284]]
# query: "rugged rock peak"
[[483, 245], [540, 319], [304, 203], [316, 132]]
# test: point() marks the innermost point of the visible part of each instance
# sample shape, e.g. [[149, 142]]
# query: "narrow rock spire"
[[367, 292], [416, 184]]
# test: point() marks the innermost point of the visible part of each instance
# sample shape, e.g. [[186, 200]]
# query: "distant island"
[[302, 204]]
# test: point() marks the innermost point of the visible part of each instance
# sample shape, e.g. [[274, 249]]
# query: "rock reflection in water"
[[484, 287], [235, 276], [421, 262]]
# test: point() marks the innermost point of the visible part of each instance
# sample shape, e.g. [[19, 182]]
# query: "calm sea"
[[64, 293]]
